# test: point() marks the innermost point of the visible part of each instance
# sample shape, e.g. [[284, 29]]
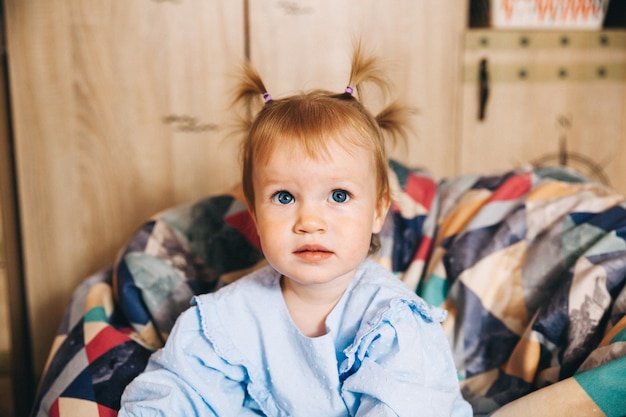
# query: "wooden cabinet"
[[118, 112]]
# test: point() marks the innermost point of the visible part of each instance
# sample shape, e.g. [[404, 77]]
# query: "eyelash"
[[338, 196]]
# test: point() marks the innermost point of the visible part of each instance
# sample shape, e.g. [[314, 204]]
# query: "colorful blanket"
[[530, 264]]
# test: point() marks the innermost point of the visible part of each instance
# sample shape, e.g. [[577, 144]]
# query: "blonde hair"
[[310, 120]]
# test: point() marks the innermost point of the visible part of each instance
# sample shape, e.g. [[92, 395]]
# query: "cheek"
[[359, 232], [274, 241], [270, 230], [265, 238], [262, 228]]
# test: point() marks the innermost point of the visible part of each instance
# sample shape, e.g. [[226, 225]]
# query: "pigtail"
[[366, 70], [250, 87], [394, 120], [248, 97]]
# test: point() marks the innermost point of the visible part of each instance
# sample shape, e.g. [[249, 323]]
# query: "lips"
[[313, 253]]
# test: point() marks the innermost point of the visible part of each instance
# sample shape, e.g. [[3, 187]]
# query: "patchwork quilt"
[[530, 264]]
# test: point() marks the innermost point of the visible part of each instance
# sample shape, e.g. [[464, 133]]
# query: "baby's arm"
[[186, 377], [403, 367]]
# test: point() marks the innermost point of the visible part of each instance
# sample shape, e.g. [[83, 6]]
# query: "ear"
[[380, 213]]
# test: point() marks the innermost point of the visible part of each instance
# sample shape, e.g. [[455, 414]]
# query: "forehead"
[[324, 151], [316, 145], [320, 151], [294, 166]]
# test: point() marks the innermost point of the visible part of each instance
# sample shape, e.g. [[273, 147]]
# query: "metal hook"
[[483, 76]]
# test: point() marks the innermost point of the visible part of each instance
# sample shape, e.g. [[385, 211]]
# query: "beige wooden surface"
[[570, 94], [306, 44], [119, 111]]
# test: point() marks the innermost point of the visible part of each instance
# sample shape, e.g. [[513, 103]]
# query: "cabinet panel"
[[553, 98], [119, 110], [306, 44]]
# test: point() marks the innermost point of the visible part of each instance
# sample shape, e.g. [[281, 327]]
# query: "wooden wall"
[[120, 109], [553, 96]]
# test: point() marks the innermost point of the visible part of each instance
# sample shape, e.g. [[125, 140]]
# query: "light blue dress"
[[236, 352]]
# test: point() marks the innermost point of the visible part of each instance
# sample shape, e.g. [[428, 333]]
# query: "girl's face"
[[315, 217]]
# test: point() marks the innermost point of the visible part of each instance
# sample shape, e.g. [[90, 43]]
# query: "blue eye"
[[340, 196], [282, 197]]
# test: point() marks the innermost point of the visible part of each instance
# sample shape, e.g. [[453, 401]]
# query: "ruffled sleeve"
[[400, 364], [187, 377]]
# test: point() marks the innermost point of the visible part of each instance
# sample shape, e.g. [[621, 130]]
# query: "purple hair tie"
[[349, 90], [267, 97]]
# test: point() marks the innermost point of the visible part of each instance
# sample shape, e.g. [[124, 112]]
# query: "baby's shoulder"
[[389, 296]]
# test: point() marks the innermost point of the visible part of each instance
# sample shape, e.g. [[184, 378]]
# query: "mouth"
[[313, 253]]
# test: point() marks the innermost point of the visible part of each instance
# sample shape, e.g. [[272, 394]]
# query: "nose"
[[310, 219]]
